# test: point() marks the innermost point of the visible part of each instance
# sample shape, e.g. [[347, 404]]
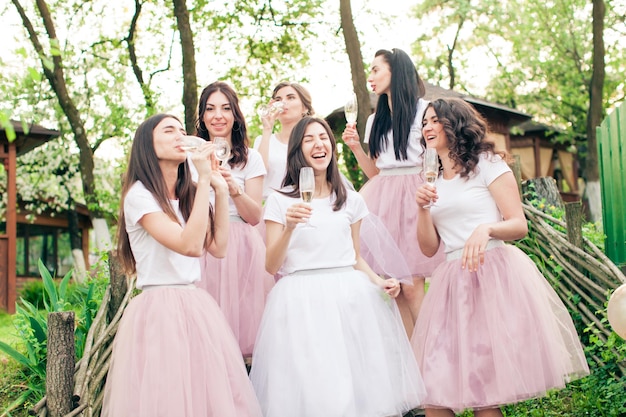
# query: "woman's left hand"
[[391, 287], [474, 249]]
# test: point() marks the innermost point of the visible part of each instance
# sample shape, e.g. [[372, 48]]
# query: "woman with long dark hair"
[[238, 282], [394, 164], [174, 353], [331, 341]]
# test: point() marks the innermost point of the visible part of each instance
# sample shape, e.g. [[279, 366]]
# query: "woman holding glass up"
[[174, 353], [331, 342], [491, 331], [393, 166]]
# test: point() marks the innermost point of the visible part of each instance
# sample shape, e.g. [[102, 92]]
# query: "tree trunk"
[[359, 81], [60, 363], [56, 79], [594, 116], [119, 285], [190, 83]]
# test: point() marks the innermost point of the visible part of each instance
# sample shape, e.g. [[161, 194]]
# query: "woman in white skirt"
[[174, 353], [331, 342], [491, 331]]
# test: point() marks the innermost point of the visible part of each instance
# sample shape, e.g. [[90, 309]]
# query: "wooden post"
[[119, 285], [545, 188], [61, 361], [574, 219]]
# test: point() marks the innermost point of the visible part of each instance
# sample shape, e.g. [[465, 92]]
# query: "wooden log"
[[574, 218], [545, 188], [60, 363], [119, 285]]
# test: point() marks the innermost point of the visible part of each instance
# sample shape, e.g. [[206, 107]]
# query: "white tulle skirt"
[[331, 344]]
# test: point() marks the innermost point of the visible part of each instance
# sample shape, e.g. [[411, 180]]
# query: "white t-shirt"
[[254, 168], [329, 244], [277, 165], [156, 264], [387, 158], [465, 203]]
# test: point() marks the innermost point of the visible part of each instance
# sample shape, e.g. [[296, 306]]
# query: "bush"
[[32, 329]]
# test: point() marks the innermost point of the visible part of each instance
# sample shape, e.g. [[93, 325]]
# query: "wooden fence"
[[611, 137], [581, 274]]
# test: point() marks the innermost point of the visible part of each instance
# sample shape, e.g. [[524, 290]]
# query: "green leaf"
[[49, 286], [34, 74], [38, 330], [15, 355], [63, 285]]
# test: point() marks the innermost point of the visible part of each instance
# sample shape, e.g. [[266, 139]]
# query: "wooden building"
[[24, 236]]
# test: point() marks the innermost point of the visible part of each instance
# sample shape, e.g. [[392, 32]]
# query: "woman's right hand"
[[351, 137], [297, 213], [425, 194]]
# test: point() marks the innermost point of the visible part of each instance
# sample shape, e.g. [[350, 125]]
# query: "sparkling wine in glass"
[[307, 187], [351, 109], [222, 149], [431, 168], [191, 143]]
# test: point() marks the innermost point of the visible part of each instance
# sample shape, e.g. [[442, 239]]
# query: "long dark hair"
[[296, 160], [239, 135], [406, 89], [143, 165], [466, 131]]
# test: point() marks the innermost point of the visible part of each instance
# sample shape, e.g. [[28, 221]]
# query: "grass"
[[7, 333], [11, 383]]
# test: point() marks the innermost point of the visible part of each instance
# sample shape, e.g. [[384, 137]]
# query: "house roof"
[[25, 142]]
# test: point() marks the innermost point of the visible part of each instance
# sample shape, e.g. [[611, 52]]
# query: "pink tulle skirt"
[[239, 282], [380, 251], [493, 337], [392, 199], [175, 355]]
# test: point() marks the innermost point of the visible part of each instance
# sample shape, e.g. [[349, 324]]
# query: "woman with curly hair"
[[491, 330]]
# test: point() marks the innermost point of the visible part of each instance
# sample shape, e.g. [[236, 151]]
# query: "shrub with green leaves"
[[32, 328]]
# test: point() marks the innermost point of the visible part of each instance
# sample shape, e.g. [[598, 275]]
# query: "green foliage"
[[32, 329]]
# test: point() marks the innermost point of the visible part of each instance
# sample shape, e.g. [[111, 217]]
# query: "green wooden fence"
[[612, 164]]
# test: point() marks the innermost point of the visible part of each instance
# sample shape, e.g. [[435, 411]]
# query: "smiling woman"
[[330, 306]]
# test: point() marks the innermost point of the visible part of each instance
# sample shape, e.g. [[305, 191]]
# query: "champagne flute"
[[431, 168], [191, 143], [222, 149], [351, 109], [267, 109], [307, 187]]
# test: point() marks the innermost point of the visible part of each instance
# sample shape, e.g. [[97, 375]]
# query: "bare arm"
[[351, 137], [268, 129], [513, 226], [248, 200], [278, 235], [217, 244], [427, 235]]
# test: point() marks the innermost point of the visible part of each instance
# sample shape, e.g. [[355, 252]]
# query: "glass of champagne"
[[431, 168], [222, 149], [351, 109], [191, 143], [307, 187]]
